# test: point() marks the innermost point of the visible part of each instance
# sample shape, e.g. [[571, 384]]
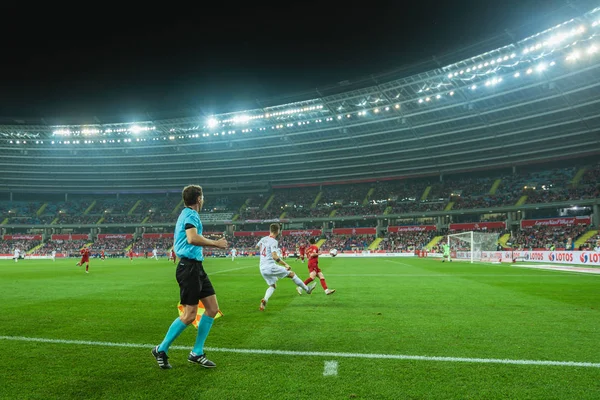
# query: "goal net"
[[474, 246]]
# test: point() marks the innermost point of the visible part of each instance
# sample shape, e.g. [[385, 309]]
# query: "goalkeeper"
[[446, 249]]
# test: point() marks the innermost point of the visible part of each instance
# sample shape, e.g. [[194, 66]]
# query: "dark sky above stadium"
[[108, 60]]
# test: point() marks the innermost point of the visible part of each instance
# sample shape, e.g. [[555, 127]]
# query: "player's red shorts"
[[314, 268], [302, 256], [84, 259]]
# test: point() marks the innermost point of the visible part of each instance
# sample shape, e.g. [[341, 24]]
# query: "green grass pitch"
[[69, 335]]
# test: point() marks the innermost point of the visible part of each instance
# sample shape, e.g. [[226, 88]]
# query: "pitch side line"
[[448, 275], [232, 269], [317, 353]]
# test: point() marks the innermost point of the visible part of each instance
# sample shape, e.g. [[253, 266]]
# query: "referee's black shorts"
[[193, 282]]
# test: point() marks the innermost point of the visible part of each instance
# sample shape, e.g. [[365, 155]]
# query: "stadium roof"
[[532, 100]]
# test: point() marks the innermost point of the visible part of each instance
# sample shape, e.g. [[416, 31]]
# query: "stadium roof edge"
[[441, 61]]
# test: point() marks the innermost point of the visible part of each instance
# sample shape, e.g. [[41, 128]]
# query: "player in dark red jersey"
[[302, 252], [312, 253], [130, 255], [102, 257], [85, 258], [173, 256]]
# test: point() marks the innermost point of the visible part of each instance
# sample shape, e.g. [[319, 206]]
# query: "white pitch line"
[[399, 263], [231, 269], [317, 353], [449, 276], [330, 368], [561, 268]]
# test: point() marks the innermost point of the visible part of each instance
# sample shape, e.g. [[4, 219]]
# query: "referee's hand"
[[221, 243]]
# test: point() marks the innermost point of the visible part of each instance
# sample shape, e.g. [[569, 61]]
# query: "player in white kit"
[[155, 254], [233, 254], [53, 255], [270, 270], [17, 254]]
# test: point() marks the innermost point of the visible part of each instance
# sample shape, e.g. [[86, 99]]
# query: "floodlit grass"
[[411, 307]]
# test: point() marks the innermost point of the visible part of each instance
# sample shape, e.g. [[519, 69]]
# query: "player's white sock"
[[269, 292], [299, 282]]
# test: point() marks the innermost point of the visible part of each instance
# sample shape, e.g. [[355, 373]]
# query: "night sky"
[[108, 60]]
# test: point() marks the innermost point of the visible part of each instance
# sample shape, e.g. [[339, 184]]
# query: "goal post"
[[473, 246]]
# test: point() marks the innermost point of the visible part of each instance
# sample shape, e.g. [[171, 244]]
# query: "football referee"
[[194, 285]]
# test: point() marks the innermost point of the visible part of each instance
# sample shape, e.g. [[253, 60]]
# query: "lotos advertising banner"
[[308, 232], [22, 237], [115, 236], [354, 231], [590, 258], [584, 220], [475, 226], [412, 228]]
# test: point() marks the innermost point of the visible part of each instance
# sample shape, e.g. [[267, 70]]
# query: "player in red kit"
[[102, 257], [302, 251], [130, 255], [85, 258], [173, 256], [312, 253]]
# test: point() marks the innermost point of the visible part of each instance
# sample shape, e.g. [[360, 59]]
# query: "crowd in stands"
[[76, 219], [121, 219], [539, 237], [160, 218], [371, 198], [347, 242], [162, 245], [407, 241], [112, 246], [9, 246], [244, 243], [483, 201], [543, 237], [70, 247]]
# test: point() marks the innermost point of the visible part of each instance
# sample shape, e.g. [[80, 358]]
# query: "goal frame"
[[470, 236]]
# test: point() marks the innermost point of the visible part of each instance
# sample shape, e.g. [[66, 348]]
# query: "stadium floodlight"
[[240, 119], [212, 122], [573, 56]]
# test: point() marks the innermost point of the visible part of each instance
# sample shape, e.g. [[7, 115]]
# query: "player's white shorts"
[[273, 274]]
